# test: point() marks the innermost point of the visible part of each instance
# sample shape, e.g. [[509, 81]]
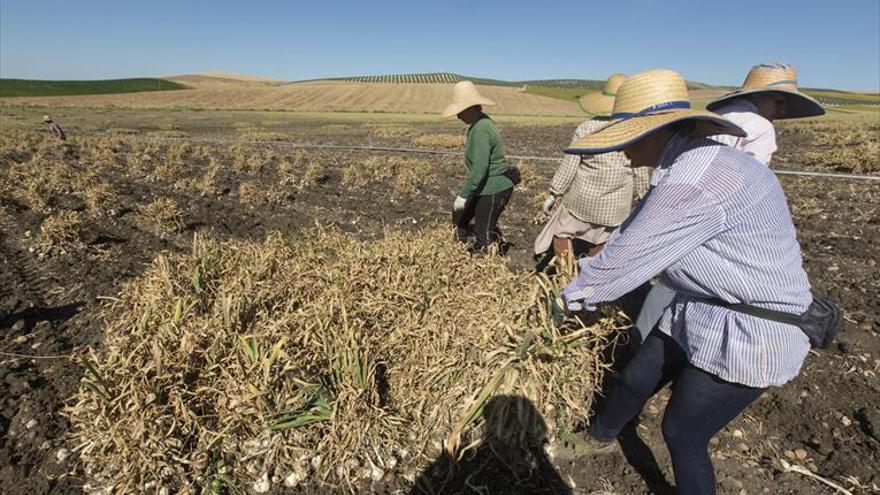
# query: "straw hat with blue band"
[[602, 103], [774, 78], [646, 102]]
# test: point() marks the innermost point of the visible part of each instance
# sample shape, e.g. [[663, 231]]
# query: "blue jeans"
[[700, 406]]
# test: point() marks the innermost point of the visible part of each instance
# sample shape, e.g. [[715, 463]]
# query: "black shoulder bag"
[[820, 322], [513, 174]]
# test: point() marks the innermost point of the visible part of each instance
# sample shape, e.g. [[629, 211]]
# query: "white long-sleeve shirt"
[[760, 139]]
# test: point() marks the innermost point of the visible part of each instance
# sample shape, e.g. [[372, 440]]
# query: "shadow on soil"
[[39, 313], [510, 459]]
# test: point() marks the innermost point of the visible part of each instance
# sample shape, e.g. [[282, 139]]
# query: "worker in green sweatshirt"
[[489, 183]]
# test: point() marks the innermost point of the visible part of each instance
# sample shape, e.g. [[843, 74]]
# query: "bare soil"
[[828, 419]]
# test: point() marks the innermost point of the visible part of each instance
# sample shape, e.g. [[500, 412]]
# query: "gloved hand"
[[548, 204], [459, 203]]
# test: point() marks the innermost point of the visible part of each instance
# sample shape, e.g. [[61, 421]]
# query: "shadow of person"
[[41, 313], [510, 459]]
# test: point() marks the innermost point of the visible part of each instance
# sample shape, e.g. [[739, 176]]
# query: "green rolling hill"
[[33, 87]]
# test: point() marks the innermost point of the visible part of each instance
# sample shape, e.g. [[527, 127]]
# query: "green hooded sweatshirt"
[[484, 156]]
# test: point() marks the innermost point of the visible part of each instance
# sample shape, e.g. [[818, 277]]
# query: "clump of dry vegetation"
[[162, 216], [100, 199], [445, 141], [254, 194], [59, 233], [353, 176], [530, 179], [411, 177], [249, 160], [849, 147], [334, 128], [407, 176], [314, 174], [389, 131], [324, 360], [261, 135]]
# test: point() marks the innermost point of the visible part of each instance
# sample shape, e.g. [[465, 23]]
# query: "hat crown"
[[613, 83], [465, 92], [771, 74], [464, 96], [651, 91]]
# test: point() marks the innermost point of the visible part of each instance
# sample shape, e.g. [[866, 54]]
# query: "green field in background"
[[31, 87]]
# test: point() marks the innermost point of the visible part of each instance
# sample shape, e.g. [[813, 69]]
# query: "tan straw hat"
[[46, 118], [646, 102], [464, 96], [775, 78], [602, 103]]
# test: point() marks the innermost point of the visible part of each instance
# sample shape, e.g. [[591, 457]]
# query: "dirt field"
[[78, 220], [319, 96]]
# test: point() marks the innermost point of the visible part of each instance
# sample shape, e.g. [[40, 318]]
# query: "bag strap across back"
[[767, 314]]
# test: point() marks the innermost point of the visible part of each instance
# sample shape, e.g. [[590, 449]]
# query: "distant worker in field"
[[54, 128], [598, 191], [489, 183], [769, 93]]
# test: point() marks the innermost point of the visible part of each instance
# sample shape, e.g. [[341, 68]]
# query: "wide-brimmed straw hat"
[[644, 103], [602, 103], [464, 96], [46, 118], [775, 78]]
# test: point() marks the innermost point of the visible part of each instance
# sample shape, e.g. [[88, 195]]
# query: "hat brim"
[[620, 133], [454, 109], [797, 104], [597, 104]]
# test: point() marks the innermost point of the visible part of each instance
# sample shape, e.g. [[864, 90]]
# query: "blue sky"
[[833, 44]]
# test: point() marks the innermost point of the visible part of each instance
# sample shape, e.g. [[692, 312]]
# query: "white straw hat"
[[775, 78], [602, 103], [464, 96], [644, 103]]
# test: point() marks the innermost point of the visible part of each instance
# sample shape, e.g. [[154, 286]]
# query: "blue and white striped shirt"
[[715, 223]]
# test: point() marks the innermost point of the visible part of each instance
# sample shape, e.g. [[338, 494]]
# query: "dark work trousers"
[[484, 211], [701, 404]]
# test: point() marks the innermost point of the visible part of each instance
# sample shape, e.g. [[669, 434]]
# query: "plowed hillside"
[[318, 96]]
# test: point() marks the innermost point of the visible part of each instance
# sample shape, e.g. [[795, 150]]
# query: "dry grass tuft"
[[847, 147], [261, 135], [314, 174], [445, 141], [162, 216], [254, 194], [324, 360], [100, 199], [531, 180], [411, 177], [407, 176], [59, 233], [353, 176], [389, 131]]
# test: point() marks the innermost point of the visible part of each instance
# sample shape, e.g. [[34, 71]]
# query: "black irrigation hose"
[[797, 173]]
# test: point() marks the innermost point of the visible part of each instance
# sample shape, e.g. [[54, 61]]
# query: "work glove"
[[459, 203], [580, 310], [548, 204]]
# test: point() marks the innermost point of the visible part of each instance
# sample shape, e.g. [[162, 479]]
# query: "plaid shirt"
[[599, 189]]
